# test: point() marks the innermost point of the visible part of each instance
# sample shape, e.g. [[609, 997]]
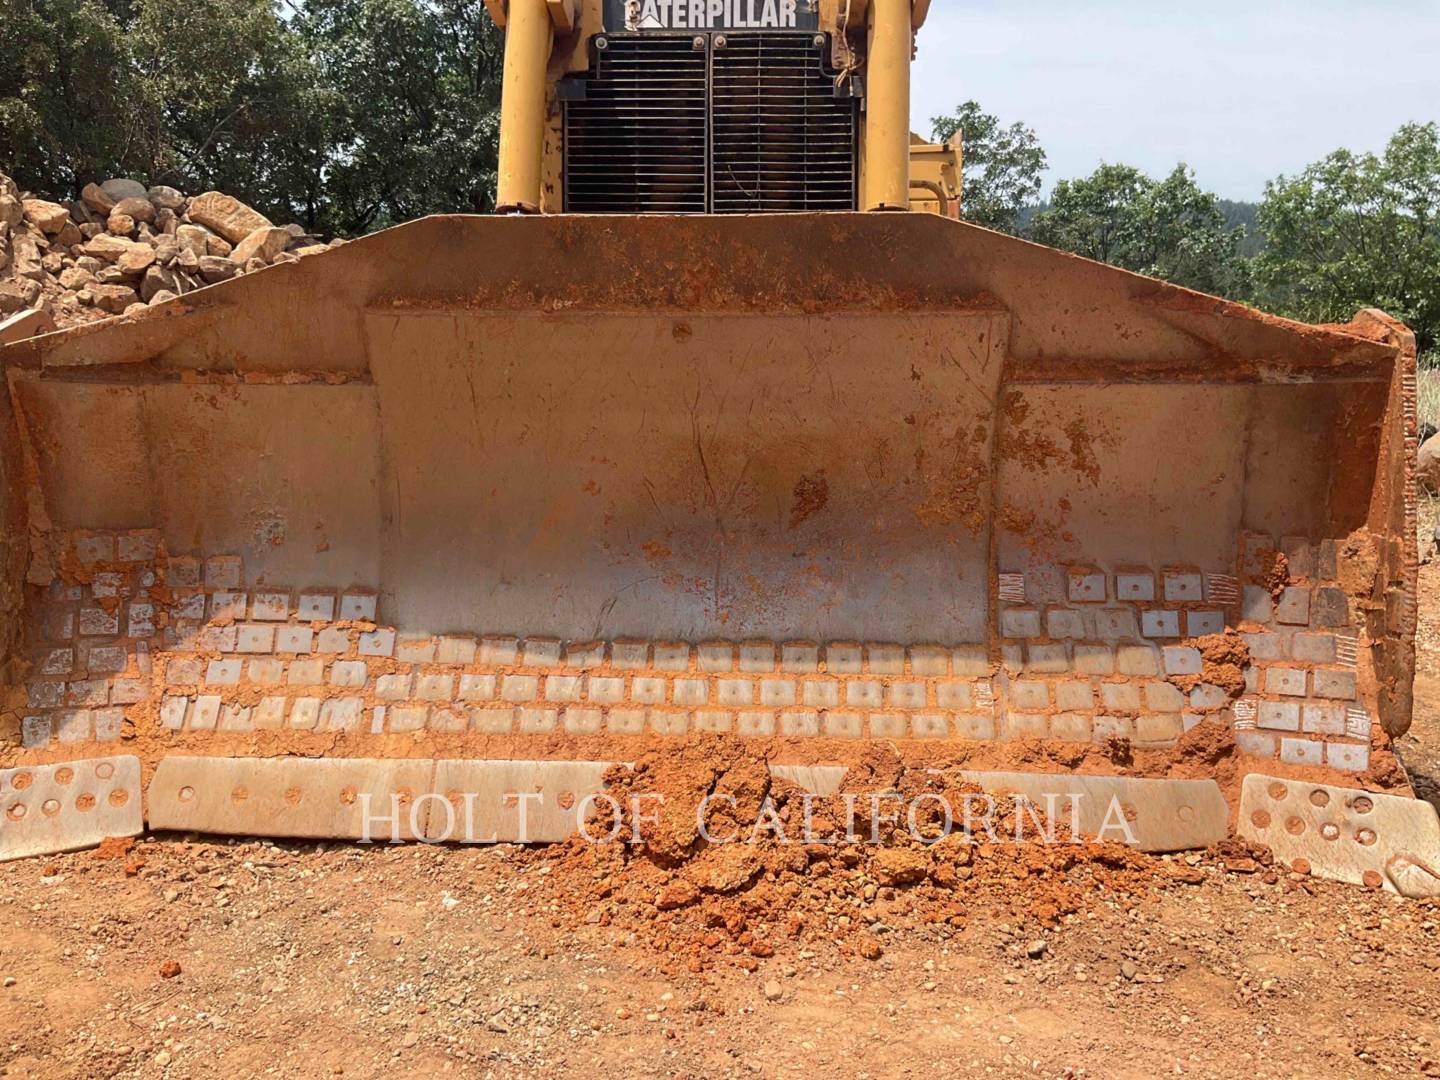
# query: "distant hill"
[[1243, 214]]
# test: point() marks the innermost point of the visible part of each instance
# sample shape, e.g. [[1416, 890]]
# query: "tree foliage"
[[416, 120], [1358, 230], [341, 114], [1167, 228], [347, 115], [64, 87], [1002, 166]]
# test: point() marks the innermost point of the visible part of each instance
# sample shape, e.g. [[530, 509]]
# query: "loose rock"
[[97, 199], [141, 209], [226, 215], [262, 244], [48, 217], [123, 189], [122, 247], [1427, 466]]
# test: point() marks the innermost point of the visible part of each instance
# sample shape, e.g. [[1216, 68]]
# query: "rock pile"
[[122, 247]]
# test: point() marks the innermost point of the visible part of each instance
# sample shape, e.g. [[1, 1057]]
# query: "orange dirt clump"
[[1277, 573], [730, 864], [1225, 657], [121, 848]]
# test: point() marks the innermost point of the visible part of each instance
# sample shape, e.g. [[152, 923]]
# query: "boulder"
[[18, 293], [113, 298], [166, 198], [135, 308], [263, 244], [218, 245], [11, 212], [139, 209], [162, 296], [192, 238], [215, 268], [157, 280], [25, 256], [48, 217], [1427, 466], [118, 224], [166, 248], [76, 278], [123, 189], [97, 199], [227, 216], [137, 260], [69, 236], [105, 247]]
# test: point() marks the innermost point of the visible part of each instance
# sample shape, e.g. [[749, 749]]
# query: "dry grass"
[[1427, 393]]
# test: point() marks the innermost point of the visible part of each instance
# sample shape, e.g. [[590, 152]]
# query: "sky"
[[1241, 92]]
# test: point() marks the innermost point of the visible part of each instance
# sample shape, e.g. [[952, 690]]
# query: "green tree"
[[1358, 230], [417, 127], [1001, 166], [1170, 228], [345, 115], [65, 94], [232, 102]]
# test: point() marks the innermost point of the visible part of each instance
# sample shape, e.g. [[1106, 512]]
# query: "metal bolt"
[[720, 41], [601, 44], [818, 41], [698, 42]]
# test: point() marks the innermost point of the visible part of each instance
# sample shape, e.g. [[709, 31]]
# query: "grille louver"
[[753, 124], [637, 143]]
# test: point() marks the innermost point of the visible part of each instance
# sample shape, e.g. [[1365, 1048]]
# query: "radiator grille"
[[638, 142], [749, 122], [779, 137]]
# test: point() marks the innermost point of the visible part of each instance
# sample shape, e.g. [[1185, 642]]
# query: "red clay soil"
[[780, 870]]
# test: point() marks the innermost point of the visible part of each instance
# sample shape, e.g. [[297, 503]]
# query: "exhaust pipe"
[[522, 107], [887, 107]]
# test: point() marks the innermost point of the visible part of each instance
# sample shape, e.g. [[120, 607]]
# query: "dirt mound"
[[122, 247], [706, 857]]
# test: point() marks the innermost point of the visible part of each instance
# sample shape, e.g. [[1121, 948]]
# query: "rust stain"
[[810, 496]]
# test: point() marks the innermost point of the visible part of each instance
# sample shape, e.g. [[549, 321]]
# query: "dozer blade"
[[559, 489]]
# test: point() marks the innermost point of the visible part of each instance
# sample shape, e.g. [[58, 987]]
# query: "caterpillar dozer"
[[723, 426]]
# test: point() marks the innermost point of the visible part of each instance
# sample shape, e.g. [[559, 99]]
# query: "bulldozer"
[[724, 426]]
